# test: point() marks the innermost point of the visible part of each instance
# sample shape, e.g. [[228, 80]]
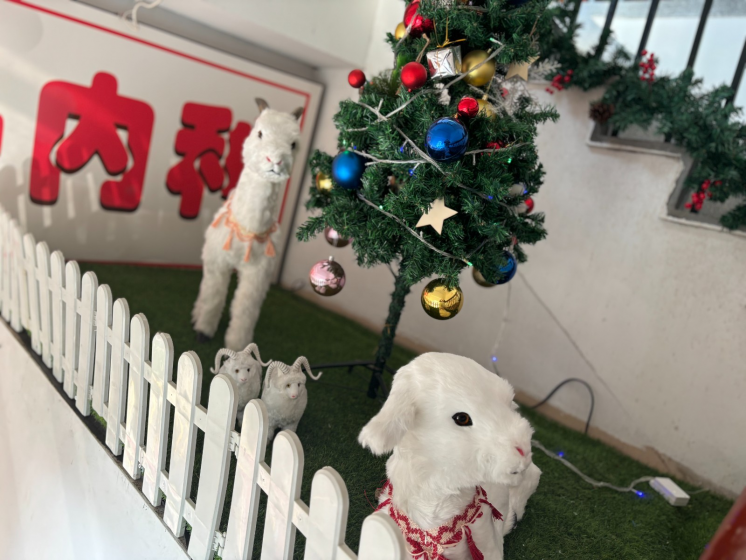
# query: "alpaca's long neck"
[[421, 490], [255, 202]]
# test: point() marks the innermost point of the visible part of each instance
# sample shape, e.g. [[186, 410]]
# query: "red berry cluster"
[[557, 82], [698, 197], [647, 67]]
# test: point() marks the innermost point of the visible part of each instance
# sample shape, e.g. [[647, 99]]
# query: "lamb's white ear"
[[262, 104], [385, 429], [298, 113]]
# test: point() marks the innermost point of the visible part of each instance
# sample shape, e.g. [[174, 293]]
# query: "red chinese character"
[[201, 145], [100, 112]]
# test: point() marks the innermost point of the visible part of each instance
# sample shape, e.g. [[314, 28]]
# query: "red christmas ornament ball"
[[420, 25], [495, 145], [356, 78], [468, 108], [529, 202], [413, 75]]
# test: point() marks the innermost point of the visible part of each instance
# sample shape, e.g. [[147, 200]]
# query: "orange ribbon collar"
[[235, 230]]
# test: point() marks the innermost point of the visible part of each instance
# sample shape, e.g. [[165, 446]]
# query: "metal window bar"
[[738, 75], [648, 27], [575, 12], [700, 31], [606, 30]]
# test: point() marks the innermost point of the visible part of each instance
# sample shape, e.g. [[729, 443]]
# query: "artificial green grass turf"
[[566, 518]]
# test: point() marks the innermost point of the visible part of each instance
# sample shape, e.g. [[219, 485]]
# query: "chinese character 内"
[[100, 112]]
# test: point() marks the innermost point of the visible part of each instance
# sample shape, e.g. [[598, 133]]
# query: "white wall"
[[62, 495], [651, 313]]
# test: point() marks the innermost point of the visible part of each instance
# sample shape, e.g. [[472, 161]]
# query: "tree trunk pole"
[[386, 342]]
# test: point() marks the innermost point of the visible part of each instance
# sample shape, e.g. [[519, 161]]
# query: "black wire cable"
[[558, 387]]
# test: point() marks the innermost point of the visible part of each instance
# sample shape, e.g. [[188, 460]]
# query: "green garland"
[[703, 123]]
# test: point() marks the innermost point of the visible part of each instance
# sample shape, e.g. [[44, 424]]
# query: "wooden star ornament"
[[436, 215], [520, 69]]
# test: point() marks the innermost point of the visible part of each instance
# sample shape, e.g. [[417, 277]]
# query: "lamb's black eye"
[[236, 371], [260, 135], [293, 145], [462, 419]]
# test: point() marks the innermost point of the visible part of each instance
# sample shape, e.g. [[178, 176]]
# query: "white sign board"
[[119, 144]]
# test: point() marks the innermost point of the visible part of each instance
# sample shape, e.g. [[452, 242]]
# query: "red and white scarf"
[[431, 544]]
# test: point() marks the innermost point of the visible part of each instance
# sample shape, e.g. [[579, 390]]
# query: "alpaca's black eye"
[[462, 419], [236, 371], [260, 135], [293, 145]]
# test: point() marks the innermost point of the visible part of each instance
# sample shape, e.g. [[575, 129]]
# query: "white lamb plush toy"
[[285, 394], [245, 368], [244, 232], [461, 470]]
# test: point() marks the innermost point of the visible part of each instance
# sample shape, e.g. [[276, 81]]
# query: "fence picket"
[[102, 368], [327, 515], [20, 284], [71, 295], [239, 539], [120, 327], [381, 539], [284, 488], [45, 309], [183, 441], [136, 397], [32, 289], [213, 477], [58, 312], [87, 347], [159, 413]]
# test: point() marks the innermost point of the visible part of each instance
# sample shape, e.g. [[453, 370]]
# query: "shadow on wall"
[[76, 219]]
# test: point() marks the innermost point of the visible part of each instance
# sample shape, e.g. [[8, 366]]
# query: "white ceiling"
[[322, 33]]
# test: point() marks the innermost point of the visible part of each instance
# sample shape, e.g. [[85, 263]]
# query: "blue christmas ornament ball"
[[347, 169], [446, 140], [506, 272]]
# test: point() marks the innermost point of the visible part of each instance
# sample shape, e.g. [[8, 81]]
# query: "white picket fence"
[[106, 362]]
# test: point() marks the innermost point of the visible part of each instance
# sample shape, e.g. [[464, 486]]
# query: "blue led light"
[[494, 358], [401, 149], [411, 171], [640, 493], [354, 147], [561, 454], [489, 197]]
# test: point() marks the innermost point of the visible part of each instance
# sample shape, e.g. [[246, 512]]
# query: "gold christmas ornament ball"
[[479, 279], [323, 182], [401, 29], [440, 302], [482, 75], [485, 108]]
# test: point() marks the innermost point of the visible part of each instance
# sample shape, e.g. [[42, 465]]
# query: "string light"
[[595, 483]]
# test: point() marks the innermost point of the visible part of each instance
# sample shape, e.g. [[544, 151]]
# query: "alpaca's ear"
[[298, 113], [384, 431], [262, 104]]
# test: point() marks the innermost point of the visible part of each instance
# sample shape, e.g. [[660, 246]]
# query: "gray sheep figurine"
[[245, 367], [285, 394]]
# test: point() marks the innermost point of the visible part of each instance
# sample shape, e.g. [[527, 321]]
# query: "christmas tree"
[[438, 159]]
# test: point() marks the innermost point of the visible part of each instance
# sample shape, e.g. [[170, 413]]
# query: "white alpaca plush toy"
[[461, 470], [244, 231], [285, 394], [245, 368]]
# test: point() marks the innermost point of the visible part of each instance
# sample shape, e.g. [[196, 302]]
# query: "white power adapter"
[[670, 491]]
